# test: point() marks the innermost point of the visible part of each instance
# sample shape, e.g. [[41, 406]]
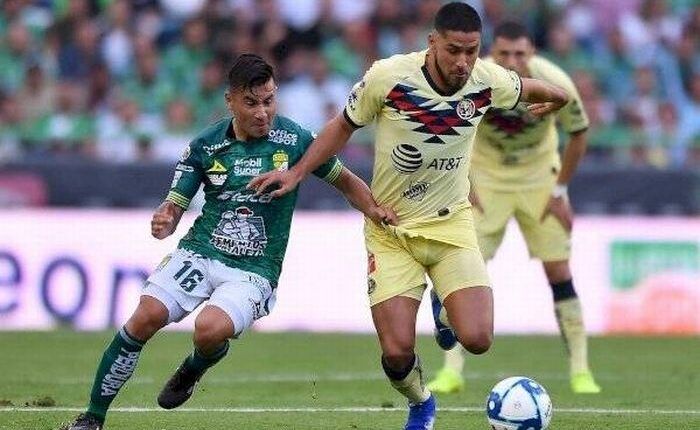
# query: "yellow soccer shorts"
[[546, 240], [398, 265]]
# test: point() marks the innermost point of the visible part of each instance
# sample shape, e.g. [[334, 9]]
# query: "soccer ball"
[[519, 403]]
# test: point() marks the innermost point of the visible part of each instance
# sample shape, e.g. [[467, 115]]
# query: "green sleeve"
[[189, 173]]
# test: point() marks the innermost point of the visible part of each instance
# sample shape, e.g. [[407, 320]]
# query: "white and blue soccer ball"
[[519, 403]]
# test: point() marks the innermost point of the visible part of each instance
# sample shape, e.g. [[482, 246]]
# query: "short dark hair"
[[511, 30], [249, 70], [457, 16]]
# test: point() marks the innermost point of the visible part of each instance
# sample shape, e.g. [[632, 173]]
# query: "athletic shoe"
[[444, 336], [583, 383], [179, 388], [421, 416], [446, 381], [84, 422]]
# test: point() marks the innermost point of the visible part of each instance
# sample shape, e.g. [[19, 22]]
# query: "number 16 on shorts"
[[184, 275]]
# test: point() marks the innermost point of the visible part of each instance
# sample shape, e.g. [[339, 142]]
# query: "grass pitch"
[[334, 381]]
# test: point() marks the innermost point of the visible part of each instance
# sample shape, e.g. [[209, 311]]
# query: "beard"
[[453, 83]]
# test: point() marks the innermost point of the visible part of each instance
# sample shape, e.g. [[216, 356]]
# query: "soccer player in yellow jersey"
[[516, 173], [427, 106]]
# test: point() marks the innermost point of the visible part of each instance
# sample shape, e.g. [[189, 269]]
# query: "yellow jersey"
[[424, 138], [515, 150]]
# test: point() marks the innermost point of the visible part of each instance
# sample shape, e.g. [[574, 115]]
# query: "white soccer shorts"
[[184, 280]]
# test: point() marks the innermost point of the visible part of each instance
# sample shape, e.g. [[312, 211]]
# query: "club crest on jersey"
[[466, 109], [406, 158], [217, 173], [240, 233], [280, 161]]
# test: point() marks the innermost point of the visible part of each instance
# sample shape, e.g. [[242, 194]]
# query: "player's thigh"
[[470, 313], [392, 271], [181, 283], [395, 322], [244, 296], [460, 280], [456, 268], [547, 239], [491, 224]]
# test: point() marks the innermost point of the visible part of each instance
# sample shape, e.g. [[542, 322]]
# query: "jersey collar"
[[431, 82]]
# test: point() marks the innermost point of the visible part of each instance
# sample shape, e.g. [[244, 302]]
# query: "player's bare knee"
[[143, 326], [210, 333], [398, 354], [478, 342], [149, 317]]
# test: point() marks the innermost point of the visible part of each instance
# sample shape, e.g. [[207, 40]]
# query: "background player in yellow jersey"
[[516, 173], [426, 105]]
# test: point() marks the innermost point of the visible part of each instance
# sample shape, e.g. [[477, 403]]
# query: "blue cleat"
[[421, 416], [444, 336]]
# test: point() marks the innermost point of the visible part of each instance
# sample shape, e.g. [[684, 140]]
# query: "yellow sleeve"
[[572, 117], [366, 99], [506, 86]]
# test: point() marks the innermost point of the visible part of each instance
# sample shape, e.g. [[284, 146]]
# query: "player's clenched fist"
[[165, 219], [162, 225], [381, 215]]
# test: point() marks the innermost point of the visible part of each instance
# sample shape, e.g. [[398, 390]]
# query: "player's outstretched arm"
[[360, 197], [328, 143], [165, 219], [545, 97]]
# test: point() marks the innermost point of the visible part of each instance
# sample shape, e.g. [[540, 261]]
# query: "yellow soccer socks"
[[567, 309]]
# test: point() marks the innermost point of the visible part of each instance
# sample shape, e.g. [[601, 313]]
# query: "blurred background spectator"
[[130, 81]]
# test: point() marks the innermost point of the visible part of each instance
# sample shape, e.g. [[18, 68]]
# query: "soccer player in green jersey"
[[232, 256], [427, 106], [517, 173]]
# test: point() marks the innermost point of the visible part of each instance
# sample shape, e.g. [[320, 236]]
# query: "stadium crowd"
[[128, 81]]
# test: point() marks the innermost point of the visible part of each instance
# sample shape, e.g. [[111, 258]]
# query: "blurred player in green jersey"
[[232, 256], [516, 173]]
